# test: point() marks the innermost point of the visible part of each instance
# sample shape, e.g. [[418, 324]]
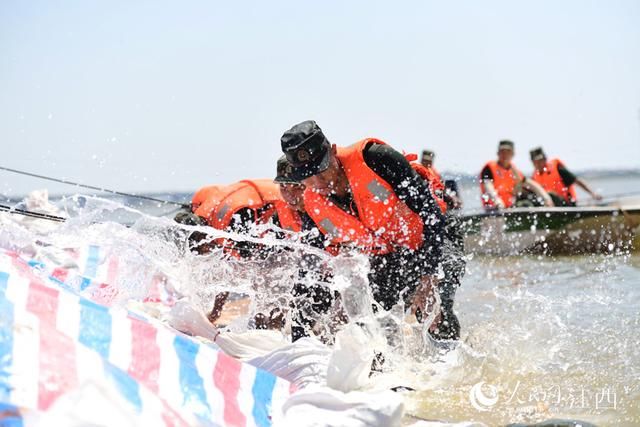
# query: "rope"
[[9, 209], [91, 187]]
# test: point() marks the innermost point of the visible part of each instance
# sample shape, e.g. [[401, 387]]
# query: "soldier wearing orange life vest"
[[453, 259], [368, 196], [446, 190], [503, 186], [238, 207], [315, 300], [293, 194], [557, 180], [427, 161], [239, 204]]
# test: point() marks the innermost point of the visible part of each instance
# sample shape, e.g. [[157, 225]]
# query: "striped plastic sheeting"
[[96, 268], [52, 340]]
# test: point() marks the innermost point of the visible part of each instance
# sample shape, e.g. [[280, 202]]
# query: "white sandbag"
[[350, 362], [346, 367], [303, 363], [251, 344], [325, 407], [38, 201], [186, 318]]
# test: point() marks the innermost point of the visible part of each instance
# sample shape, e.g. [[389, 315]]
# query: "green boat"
[[606, 228]]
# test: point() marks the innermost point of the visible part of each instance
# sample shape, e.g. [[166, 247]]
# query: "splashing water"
[[542, 337]]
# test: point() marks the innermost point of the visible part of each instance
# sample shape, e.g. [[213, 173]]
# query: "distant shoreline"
[[461, 177], [587, 174]]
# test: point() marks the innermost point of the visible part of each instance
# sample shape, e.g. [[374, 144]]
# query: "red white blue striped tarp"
[[53, 340]]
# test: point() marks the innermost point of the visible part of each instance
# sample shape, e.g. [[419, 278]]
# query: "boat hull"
[[553, 231]]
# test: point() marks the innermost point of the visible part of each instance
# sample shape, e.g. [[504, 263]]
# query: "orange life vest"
[[551, 181], [504, 182], [383, 222], [217, 204], [210, 192], [432, 176], [289, 218], [438, 175]]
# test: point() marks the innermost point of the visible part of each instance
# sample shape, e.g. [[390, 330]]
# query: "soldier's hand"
[[218, 305], [424, 297]]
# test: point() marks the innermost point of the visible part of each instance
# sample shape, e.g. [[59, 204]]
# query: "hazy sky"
[[152, 96]]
